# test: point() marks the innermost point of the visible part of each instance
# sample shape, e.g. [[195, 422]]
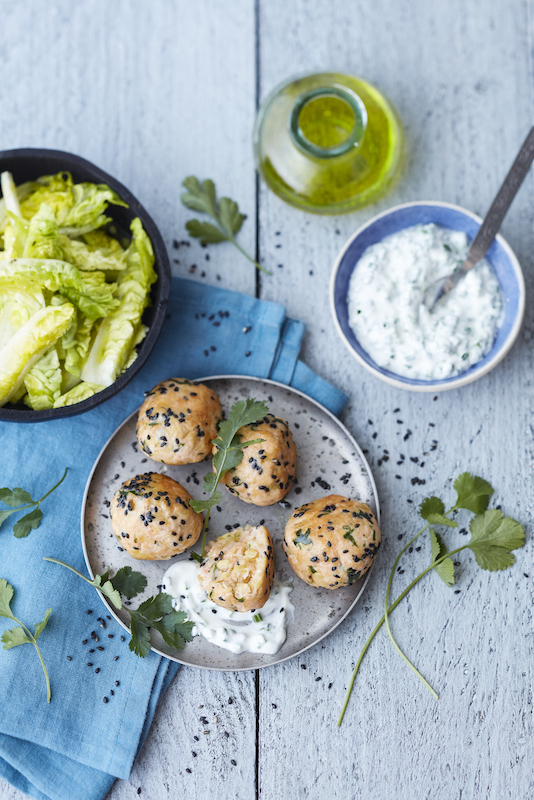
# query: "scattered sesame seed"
[[233, 762], [105, 699], [69, 658]]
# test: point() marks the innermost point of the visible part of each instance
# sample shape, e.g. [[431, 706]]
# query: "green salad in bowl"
[[73, 289]]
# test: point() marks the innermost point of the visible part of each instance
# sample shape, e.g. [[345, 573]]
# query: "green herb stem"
[[62, 563], [243, 252], [386, 603], [34, 642], [381, 622], [54, 487]]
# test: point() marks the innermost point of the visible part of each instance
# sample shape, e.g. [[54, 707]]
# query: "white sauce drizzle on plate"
[[236, 631], [387, 314]]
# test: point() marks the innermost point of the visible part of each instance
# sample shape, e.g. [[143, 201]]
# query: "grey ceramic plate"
[[329, 462]]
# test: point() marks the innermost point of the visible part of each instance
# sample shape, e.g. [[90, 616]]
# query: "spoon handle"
[[499, 207]]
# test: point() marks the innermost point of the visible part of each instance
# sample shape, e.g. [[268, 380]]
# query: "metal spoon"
[[490, 225]]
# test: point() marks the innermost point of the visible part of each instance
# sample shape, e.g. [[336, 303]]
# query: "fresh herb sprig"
[[229, 454], [21, 634], [156, 612], [493, 537], [225, 212], [19, 500]]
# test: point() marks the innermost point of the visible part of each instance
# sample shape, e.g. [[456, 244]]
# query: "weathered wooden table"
[[155, 91]]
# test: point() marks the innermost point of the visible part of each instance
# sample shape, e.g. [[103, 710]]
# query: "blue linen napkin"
[[78, 744]]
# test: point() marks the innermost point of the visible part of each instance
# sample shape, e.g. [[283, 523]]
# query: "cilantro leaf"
[[15, 497], [229, 214], [39, 628], [205, 505], [128, 582], [445, 569], [19, 499], [21, 635], [493, 537], [5, 513], [473, 493], [202, 197], [6, 596], [433, 510], [229, 452], [206, 232], [109, 591], [14, 637], [23, 526], [140, 641], [155, 607]]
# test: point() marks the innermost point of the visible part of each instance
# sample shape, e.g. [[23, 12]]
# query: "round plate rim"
[[347, 433]]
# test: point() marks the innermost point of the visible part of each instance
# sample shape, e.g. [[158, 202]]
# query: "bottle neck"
[[327, 122]]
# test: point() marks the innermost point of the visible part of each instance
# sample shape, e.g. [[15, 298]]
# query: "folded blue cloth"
[[78, 744]]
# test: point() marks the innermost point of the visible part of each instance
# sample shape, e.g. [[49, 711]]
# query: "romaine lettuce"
[[43, 381], [117, 334], [87, 211], [27, 274], [16, 308], [43, 236], [80, 392], [29, 343]]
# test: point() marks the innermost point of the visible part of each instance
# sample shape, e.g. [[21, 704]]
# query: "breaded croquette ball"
[[152, 518], [177, 422], [238, 569], [332, 541], [268, 468]]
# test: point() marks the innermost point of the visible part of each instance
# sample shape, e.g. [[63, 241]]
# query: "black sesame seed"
[[105, 699], [233, 762], [69, 658]]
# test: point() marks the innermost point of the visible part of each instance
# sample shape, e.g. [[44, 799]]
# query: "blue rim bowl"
[[500, 256]]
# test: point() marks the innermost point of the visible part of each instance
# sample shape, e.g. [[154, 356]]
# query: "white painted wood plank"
[[153, 92], [460, 76]]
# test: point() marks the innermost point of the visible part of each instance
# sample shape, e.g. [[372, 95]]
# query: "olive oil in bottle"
[[328, 143]]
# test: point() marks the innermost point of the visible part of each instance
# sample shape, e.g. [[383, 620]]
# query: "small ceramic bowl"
[[499, 255], [29, 164]]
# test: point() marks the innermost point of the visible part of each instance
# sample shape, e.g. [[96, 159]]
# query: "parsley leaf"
[[129, 583], [24, 525], [156, 612], [21, 635], [203, 197], [445, 569], [229, 453], [433, 510], [473, 493], [18, 500], [493, 537]]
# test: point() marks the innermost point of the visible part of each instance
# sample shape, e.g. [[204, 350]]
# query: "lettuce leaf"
[[16, 308], [117, 334], [88, 258], [96, 298], [80, 392], [77, 349], [54, 190], [30, 342], [43, 381], [87, 211], [43, 236], [27, 274]]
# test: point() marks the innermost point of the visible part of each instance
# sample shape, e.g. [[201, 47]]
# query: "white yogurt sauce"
[[218, 625], [387, 314]]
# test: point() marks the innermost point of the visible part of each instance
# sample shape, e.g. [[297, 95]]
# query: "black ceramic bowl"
[[30, 164]]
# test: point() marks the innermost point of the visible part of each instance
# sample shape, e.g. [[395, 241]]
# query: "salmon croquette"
[[238, 569], [332, 541], [178, 421], [268, 468], [152, 518]]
